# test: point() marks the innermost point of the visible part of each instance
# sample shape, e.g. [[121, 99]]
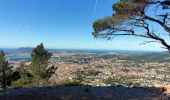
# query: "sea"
[[18, 56], [13, 54]]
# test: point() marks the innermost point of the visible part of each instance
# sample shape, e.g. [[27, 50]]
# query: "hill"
[[23, 50]]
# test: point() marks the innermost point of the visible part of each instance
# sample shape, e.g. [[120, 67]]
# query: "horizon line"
[[89, 49]]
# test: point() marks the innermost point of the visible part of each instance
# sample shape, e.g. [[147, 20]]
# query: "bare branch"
[[131, 19], [147, 42], [159, 22]]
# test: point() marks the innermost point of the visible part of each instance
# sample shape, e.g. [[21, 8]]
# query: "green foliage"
[[132, 7], [22, 77], [126, 81], [4, 71], [85, 74], [49, 71], [101, 24], [23, 82], [112, 80], [124, 10], [65, 81], [130, 16], [37, 73], [39, 63], [100, 66], [40, 54], [119, 6]]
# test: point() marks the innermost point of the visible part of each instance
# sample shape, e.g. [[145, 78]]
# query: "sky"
[[59, 24]]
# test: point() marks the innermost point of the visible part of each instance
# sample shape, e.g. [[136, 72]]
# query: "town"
[[106, 69]]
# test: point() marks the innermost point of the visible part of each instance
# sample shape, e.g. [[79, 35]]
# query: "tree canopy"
[[136, 18], [39, 62], [4, 70]]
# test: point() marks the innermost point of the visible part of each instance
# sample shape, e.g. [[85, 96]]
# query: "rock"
[[165, 89]]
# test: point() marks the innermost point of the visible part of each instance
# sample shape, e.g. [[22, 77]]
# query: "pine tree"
[[4, 70], [39, 62], [137, 18]]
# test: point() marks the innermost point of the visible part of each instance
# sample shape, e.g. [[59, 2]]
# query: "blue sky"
[[59, 24]]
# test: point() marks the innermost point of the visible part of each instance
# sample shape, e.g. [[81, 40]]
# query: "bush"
[[21, 76], [65, 81]]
